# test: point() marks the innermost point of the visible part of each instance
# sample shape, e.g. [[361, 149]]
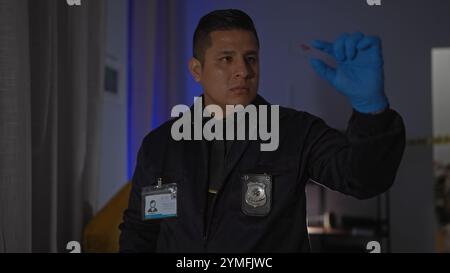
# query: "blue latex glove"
[[359, 71]]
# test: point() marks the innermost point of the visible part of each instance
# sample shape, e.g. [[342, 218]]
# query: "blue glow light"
[[130, 155]]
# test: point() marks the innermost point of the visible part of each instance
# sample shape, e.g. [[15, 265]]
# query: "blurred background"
[[82, 82]]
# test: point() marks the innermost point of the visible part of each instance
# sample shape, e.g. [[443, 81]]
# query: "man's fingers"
[[350, 45], [346, 46], [325, 72], [367, 42], [339, 47], [323, 46]]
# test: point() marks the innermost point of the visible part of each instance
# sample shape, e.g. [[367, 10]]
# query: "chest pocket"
[[274, 166], [267, 185]]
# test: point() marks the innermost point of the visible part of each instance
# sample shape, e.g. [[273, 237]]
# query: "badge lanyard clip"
[[159, 183]]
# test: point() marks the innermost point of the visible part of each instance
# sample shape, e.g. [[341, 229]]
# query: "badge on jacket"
[[256, 194], [159, 201]]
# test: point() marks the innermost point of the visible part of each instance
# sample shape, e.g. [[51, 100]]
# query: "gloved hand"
[[359, 71]]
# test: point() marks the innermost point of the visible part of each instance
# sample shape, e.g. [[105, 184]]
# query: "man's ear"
[[195, 67]]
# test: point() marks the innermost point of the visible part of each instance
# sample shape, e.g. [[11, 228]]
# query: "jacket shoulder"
[[158, 136]]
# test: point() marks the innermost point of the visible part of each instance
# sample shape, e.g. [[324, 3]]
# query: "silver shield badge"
[[256, 194]]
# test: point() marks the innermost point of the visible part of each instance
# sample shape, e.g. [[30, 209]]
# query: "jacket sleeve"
[[363, 161], [138, 235]]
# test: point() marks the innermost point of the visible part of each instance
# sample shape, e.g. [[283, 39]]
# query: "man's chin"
[[242, 99]]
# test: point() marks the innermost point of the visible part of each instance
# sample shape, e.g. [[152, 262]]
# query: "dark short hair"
[[228, 19]]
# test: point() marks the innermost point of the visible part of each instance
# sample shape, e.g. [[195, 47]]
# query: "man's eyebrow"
[[232, 52], [251, 52], [226, 52]]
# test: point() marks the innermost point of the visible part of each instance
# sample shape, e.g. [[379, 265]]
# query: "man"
[[231, 196]]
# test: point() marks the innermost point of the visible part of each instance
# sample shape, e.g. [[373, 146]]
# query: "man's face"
[[230, 71]]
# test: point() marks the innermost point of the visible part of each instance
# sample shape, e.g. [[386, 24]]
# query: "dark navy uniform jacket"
[[362, 162]]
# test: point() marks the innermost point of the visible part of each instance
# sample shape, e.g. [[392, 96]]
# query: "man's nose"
[[242, 69]]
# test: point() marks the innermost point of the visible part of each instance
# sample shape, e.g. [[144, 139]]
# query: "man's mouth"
[[240, 89]]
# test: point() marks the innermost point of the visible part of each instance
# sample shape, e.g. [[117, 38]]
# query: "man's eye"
[[252, 60], [226, 59]]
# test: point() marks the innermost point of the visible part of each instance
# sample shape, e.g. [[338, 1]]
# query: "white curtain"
[[51, 80]]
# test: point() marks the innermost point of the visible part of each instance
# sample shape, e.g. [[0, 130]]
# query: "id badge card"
[[159, 202]]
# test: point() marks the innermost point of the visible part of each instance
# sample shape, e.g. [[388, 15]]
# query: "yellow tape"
[[437, 140]]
